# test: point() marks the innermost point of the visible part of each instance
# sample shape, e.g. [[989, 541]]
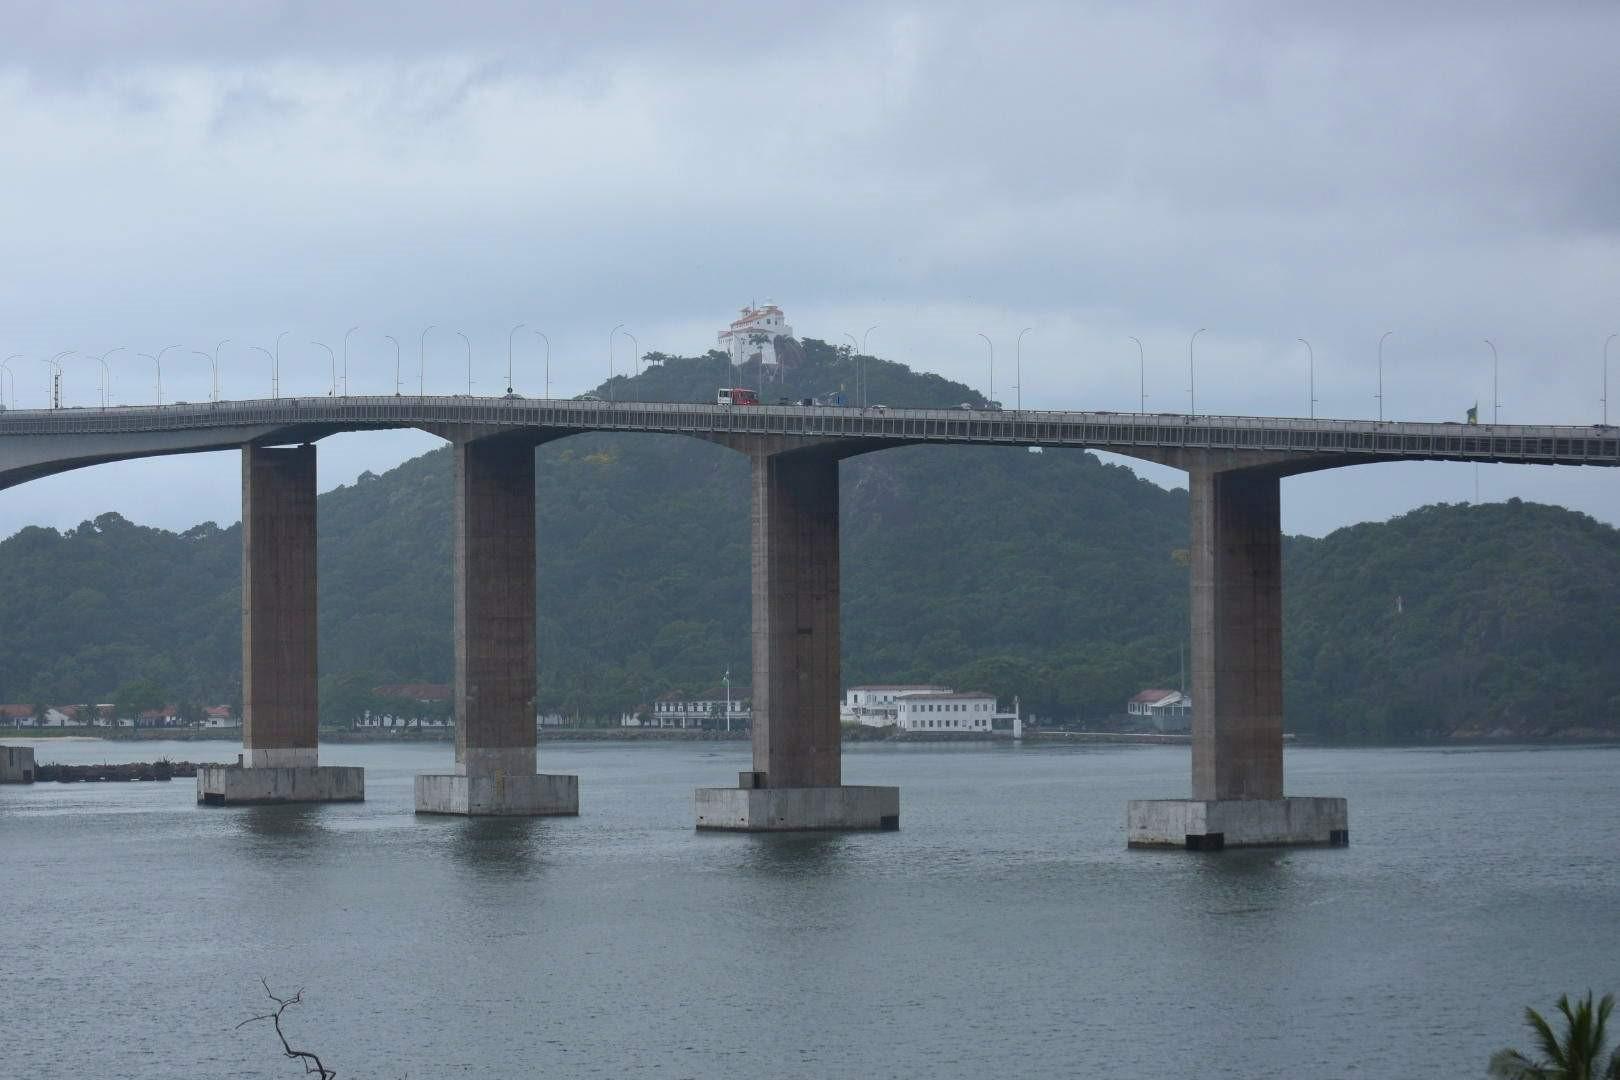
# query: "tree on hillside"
[[1576, 1054], [134, 698]]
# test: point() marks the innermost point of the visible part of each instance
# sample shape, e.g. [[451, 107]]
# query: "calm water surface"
[[1004, 931]]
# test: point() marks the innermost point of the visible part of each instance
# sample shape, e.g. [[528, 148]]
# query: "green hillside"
[[1051, 576]]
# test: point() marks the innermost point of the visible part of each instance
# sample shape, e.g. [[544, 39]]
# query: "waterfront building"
[[928, 707], [707, 709], [1169, 711]]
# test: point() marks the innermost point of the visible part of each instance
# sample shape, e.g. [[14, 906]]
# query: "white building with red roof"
[[1163, 710], [753, 334]]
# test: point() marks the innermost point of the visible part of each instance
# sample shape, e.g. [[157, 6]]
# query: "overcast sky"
[[181, 173]]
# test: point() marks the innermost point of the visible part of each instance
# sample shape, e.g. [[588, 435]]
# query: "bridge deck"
[[1120, 432]]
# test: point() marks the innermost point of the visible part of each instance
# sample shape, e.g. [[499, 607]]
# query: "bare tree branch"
[[311, 1063]]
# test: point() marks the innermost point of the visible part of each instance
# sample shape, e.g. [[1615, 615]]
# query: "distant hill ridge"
[[1052, 576]]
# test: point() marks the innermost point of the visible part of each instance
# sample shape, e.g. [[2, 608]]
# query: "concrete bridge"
[[1235, 467]]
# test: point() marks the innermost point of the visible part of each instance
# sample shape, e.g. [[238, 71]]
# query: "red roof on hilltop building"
[[1147, 697]]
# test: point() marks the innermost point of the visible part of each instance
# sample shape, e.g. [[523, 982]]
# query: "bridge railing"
[[1098, 429]]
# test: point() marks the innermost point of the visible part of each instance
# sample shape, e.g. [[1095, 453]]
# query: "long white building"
[[925, 707]]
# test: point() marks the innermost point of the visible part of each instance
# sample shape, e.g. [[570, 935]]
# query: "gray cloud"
[[190, 172]]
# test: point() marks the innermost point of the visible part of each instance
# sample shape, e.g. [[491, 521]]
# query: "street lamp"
[[106, 373], [547, 340], [635, 359], [1312, 354], [509, 334], [272, 358], [1018, 369], [864, 355], [1192, 385], [346, 334], [1380, 394], [855, 359], [210, 358], [157, 361], [991, 397], [275, 370], [1605, 398], [332, 356], [5, 365], [467, 343], [613, 333], [215, 360], [395, 340], [421, 362], [1496, 369], [56, 381], [1141, 378]]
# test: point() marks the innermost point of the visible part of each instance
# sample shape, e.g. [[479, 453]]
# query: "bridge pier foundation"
[[280, 703], [495, 680], [1237, 692], [796, 782]]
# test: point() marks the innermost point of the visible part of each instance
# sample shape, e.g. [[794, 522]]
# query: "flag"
[[1473, 413]]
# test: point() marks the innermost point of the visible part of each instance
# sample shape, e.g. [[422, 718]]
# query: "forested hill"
[[1051, 576]]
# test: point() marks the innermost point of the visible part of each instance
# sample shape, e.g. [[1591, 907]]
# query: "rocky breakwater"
[[135, 770]]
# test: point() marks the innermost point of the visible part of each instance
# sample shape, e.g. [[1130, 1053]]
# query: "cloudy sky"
[[188, 172]]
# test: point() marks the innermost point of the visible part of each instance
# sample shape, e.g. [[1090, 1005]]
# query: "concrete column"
[[796, 779], [280, 695], [1236, 635], [495, 682], [1237, 739], [795, 621], [280, 702], [494, 607]]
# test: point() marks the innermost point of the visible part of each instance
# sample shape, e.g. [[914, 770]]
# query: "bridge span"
[[1235, 466]]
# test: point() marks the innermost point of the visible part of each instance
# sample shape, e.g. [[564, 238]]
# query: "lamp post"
[[210, 358], [1018, 369], [855, 359], [467, 343], [1496, 369], [1312, 353], [991, 397], [331, 356], [275, 369], [864, 355], [726, 678], [5, 365], [1380, 394], [421, 362], [268, 356], [611, 335], [1605, 398], [54, 397], [346, 334], [1192, 385], [395, 340], [509, 334], [215, 360], [635, 358], [1141, 378], [157, 362], [106, 373], [542, 337]]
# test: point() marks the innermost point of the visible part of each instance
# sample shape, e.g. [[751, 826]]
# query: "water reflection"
[[497, 846], [280, 833], [795, 854]]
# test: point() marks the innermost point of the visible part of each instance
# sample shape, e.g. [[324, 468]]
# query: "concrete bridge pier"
[[280, 706], [796, 780], [1237, 739], [495, 680]]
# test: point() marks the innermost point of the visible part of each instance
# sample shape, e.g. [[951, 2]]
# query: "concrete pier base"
[[741, 809], [498, 795], [232, 785], [1213, 824]]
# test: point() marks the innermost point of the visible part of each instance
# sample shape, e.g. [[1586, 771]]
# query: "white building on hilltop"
[[752, 335], [929, 708]]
